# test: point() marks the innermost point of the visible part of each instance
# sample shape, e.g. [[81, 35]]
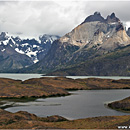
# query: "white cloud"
[[33, 18], [127, 24]]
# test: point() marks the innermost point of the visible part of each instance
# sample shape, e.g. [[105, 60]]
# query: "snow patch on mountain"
[[31, 53], [35, 46], [3, 50], [19, 51], [5, 42], [25, 44], [35, 49], [36, 60]]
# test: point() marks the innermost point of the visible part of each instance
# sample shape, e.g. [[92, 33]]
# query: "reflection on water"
[[81, 104]]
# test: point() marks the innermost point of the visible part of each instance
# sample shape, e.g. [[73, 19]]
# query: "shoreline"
[[40, 75], [20, 104], [24, 99], [25, 120]]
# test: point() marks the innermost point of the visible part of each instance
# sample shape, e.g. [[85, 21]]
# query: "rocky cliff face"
[[112, 19], [96, 17], [92, 38], [97, 31]]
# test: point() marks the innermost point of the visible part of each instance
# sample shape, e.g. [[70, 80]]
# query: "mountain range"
[[98, 46], [16, 53]]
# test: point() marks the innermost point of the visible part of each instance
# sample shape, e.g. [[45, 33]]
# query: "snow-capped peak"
[[48, 38], [4, 36], [33, 48], [5, 39]]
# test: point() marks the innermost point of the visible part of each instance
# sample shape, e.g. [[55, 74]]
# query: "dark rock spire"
[[95, 17], [112, 18]]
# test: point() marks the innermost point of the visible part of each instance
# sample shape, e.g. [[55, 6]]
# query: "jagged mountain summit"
[[95, 17], [112, 19], [17, 53], [94, 37], [46, 43], [96, 30], [35, 49]]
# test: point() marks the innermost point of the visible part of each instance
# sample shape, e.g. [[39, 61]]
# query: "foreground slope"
[[25, 120]]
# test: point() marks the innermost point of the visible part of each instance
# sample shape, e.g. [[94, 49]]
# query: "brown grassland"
[[57, 86]]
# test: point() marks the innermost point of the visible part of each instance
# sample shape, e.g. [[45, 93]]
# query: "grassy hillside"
[[17, 89]]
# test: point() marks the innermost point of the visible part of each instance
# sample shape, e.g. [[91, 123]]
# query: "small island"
[[55, 86]]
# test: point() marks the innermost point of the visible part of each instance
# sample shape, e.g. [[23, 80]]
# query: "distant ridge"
[[17, 53]]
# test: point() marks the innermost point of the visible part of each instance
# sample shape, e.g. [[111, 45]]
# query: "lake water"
[[102, 77], [18, 76], [81, 104]]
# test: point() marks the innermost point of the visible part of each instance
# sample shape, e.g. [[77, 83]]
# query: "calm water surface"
[[102, 77], [82, 104], [28, 76], [19, 76]]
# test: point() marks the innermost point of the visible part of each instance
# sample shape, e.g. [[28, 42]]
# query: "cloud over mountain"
[[32, 18]]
